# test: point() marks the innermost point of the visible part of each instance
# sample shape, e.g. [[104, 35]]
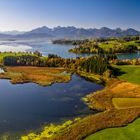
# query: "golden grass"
[[124, 103], [41, 75]]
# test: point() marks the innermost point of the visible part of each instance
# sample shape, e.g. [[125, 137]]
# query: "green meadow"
[[131, 73], [129, 132]]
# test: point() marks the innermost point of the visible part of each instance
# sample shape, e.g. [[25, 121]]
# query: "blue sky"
[[29, 14]]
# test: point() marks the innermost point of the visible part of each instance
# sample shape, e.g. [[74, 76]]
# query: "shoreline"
[[108, 118]]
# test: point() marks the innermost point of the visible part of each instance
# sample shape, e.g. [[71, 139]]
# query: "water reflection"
[[27, 106]]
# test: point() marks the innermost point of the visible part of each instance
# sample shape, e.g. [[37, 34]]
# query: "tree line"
[[94, 47], [95, 64]]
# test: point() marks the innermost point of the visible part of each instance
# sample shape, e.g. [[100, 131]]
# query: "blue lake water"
[[25, 107], [44, 47], [60, 50]]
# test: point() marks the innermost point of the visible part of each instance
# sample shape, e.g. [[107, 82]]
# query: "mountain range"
[[69, 33]]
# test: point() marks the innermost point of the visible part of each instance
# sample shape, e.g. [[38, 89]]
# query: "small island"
[[112, 45]]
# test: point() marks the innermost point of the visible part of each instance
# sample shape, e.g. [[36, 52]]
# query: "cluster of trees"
[[130, 48], [37, 60], [69, 42], [131, 38], [95, 64], [87, 47], [24, 60], [37, 53]]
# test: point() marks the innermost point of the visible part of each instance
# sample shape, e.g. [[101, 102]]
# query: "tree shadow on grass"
[[116, 71]]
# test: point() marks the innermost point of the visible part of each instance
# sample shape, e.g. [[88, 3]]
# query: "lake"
[[44, 47], [25, 107], [48, 48]]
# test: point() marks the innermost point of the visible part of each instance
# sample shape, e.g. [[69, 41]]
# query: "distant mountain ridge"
[[72, 32]]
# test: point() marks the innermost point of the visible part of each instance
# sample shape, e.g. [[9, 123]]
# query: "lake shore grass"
[[99, 79]]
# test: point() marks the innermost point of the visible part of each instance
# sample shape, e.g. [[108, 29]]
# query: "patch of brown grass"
[[41, 75]]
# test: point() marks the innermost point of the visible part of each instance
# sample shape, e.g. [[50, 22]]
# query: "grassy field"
[[131, 73], [115, 44], [124, 103], [41, 75], [130, 132]]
